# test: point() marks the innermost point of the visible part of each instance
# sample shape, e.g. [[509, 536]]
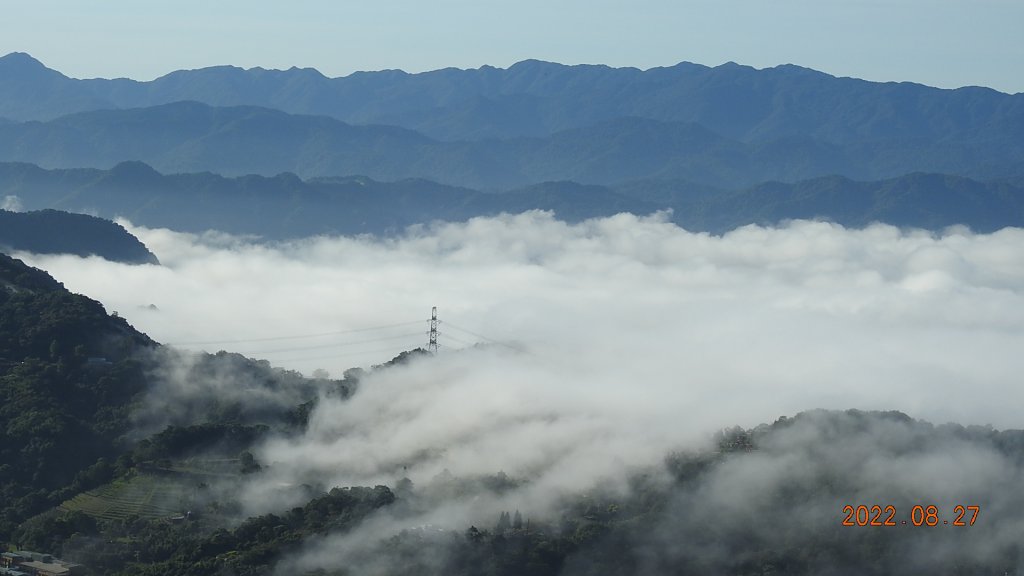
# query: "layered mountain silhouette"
[[195, 137], [376, 151], [286, 206], [534, 98]]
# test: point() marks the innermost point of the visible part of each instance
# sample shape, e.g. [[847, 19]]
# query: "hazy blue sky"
[[945, 43]]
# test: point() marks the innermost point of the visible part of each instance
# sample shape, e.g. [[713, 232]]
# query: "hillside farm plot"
[[144, 496]]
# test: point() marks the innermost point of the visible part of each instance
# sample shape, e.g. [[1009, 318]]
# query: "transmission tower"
[[432, 344]]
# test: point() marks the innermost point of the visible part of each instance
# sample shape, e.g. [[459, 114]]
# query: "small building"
[[12, 559], [26, 563]]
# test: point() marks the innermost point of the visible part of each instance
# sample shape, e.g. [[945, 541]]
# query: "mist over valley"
[[690, 320]]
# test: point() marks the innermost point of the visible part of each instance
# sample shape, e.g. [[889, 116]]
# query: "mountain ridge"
[[286, 206], [190, 136], [549, 96]]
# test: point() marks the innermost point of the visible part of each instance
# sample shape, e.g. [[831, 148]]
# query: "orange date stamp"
[[929, 515]]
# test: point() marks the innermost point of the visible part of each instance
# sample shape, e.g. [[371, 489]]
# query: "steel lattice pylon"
[[432, 344]]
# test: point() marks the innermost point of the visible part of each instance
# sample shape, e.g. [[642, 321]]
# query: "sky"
[[944, 43]]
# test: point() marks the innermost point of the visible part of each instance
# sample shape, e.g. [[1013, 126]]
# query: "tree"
[[248, 463], [504, 523]]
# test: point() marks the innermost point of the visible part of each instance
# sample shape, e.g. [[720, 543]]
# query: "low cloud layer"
[[757, 323], [11, 204], [609, 343]]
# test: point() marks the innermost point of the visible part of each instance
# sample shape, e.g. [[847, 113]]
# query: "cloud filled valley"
[[777, 319], [273, 306], [579, 355]]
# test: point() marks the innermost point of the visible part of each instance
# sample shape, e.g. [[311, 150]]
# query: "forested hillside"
[[56, 232], [80, 389], [69, 375]]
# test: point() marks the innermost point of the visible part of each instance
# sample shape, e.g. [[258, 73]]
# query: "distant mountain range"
[[286, 206], [56, 232], [534, 98], [195, 137], [291, 153], [730, 126]]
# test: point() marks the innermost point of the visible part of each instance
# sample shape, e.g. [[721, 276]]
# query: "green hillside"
[[144, 496], [73, 384]]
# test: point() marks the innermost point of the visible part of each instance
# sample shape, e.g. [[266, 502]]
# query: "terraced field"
[[145, 496]]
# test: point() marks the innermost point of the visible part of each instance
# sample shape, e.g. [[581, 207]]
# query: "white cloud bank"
[[627, 316], [11, 204], [637, 337], [766, 320]]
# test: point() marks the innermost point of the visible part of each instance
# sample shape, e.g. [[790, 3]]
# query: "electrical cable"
[[337, 344], [296, 337]]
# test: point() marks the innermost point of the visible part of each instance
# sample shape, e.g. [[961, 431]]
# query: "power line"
[[459, 340], [432, 344], [471, 333], [296, 337], [491, 340], [339, 344], [349, 353]]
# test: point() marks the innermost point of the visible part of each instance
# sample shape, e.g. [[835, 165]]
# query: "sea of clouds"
[[756, 323], [607, 343]]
